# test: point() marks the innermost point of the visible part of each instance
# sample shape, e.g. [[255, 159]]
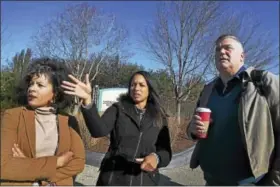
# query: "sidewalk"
[[170, 177]]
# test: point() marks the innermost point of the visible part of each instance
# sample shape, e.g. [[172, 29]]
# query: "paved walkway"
[[177, 173], [170, 177]]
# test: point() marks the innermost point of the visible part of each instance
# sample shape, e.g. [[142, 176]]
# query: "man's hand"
[[64, 159], [197, 126], [148, 163]]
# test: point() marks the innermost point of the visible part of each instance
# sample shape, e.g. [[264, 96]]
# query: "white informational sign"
[[108, 96]]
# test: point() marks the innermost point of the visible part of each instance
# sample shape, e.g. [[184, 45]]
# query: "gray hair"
[[225, 36]]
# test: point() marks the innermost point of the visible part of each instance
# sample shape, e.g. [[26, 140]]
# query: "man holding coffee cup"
[[203, 122], [237, 127]]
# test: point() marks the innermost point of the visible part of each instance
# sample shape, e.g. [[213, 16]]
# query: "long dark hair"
[[154, 101], [56, 71]]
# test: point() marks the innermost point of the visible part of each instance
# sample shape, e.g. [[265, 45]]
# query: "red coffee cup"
[[205, 114]]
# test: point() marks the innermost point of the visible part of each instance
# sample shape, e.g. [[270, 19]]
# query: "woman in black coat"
[[139, 135]]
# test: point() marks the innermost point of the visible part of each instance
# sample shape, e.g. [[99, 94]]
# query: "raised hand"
[[78, 88]]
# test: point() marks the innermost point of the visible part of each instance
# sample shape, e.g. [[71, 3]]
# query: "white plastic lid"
[[201, 109]]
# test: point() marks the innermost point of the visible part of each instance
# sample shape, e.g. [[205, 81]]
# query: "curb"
[[178, 159]]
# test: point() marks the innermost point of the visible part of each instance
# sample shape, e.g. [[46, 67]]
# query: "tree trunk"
[[76, 106], [178, 112], [75, 110], [176, 125]]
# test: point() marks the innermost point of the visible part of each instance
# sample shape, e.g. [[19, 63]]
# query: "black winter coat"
[[130, 138]]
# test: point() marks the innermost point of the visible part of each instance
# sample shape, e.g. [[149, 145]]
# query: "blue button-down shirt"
[[243, 68], [220, 87]]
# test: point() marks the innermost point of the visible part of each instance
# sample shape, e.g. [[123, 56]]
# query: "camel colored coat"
[[18, 126]]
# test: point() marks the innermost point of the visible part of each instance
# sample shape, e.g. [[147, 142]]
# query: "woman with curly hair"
[[39, 145]]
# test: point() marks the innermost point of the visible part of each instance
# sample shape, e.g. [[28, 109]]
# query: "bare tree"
[[182, 39], [83, 36], [177, 40]]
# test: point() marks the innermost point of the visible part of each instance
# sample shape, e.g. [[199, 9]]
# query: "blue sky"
[[22, 19]]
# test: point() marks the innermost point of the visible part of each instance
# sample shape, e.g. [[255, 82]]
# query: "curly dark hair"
[[56, 71]]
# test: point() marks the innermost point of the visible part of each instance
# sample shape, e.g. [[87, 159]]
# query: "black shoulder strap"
[[256, 77]]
